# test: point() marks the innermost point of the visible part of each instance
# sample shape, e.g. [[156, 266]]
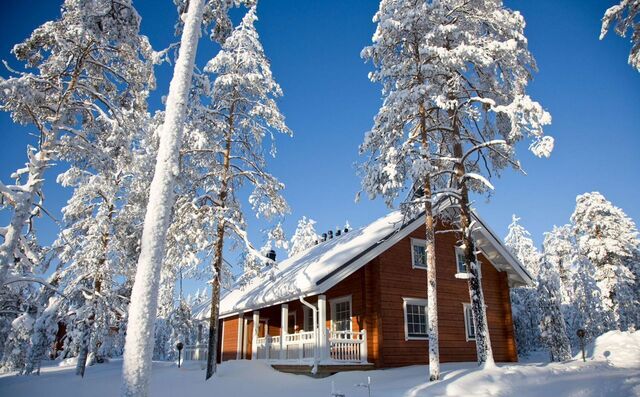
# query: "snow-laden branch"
[[478, 177]]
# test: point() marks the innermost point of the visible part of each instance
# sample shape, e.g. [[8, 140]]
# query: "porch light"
[[581, 334], [179, 346]]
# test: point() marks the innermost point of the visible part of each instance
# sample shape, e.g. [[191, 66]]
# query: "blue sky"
[[314, 46]]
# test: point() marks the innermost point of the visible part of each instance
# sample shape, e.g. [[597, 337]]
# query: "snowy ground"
[[612, 369]]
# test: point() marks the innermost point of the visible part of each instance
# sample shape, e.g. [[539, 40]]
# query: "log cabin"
[[358, 300]]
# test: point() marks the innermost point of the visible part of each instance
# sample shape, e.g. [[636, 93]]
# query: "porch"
[[295, 337]]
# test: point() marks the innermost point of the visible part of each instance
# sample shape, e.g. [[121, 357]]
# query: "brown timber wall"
[[230, 338], [397, 280]]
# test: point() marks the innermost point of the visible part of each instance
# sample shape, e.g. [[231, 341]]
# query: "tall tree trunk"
[[212, 347], [136, 370], [84, 349], [430, 249], [483, 341]]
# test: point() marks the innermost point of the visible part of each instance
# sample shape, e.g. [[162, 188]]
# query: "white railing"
[[344, 346], [196, 352], [298, 346], [348, 346]]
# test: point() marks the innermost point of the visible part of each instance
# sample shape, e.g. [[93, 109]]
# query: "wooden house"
[[359, 300]]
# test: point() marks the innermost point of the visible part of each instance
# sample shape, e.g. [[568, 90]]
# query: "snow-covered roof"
[[322, 266]]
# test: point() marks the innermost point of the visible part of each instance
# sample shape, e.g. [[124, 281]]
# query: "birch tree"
[[625, 17]]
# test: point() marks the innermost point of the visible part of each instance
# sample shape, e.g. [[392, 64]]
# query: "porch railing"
[[197, 352], [347, 346], [298, 346]]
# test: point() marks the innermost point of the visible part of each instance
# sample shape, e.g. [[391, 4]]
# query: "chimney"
[[346, 230], [324, 236], [338, 232], [271, 255], [330, 234]]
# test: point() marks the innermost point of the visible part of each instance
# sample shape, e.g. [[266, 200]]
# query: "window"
[[460, 260], [341, 314], [308, 319], [470, 329], [418, 254], [415, 318]]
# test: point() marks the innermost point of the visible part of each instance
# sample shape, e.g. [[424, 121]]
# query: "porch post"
[[254, 340], [322, 327], [284, 328], [240, 331]]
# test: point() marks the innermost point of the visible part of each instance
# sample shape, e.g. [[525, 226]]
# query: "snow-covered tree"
[[608, 238], [552, 326], [519, 242], [476, 66], [626, 17], [585, 310], [144, 295], [17, 344], [304, 237], [241, 112], [560, 250], [101, 219], [87, 66], [400, 146], [524, 300]]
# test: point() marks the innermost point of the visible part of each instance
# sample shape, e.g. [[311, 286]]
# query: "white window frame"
[[468, 320], [419, 242], [333, 303], [456, 252], [414, 301]]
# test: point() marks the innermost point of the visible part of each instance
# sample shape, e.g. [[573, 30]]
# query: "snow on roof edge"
[[354, 262]]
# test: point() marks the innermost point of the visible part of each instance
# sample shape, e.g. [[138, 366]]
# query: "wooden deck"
[[323, 370]]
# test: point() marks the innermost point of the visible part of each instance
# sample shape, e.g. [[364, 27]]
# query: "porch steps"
[[323, 370]]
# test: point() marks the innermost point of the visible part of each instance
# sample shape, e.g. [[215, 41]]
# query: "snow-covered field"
[[612, 369]]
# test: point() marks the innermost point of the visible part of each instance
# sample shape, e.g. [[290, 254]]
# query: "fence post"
[[363, 346]]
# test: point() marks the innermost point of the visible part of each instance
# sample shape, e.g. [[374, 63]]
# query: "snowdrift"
[[620, 349]]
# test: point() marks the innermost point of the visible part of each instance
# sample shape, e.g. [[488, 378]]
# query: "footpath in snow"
[[612, 369]]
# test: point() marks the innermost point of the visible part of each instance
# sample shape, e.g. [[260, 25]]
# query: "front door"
[[248, 335]]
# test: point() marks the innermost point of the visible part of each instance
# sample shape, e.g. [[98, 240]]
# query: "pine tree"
[[400, 146], [560, 250], [476, 77], [304, 237], [552, 326], [524, 300], [626, 15], [88, 65], [519, 242], [242, 112], [608, 238]]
